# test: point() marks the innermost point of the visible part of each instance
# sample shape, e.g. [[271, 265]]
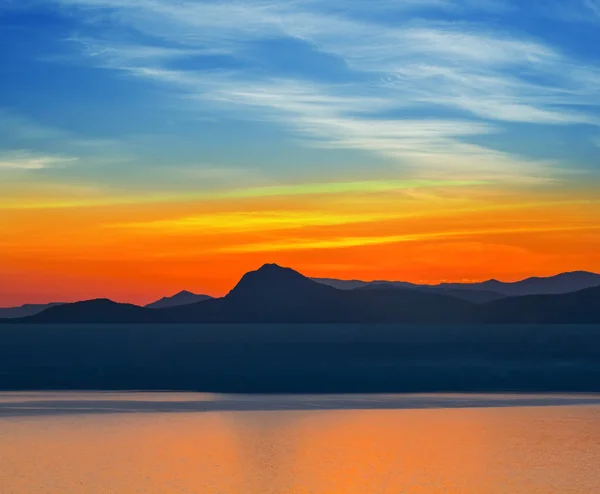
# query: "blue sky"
[[148, 146], [177, 94]]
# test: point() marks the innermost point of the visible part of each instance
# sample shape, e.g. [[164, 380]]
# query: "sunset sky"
[[150, 146]]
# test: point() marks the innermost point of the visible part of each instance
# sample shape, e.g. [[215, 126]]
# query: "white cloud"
[[25, 160], [408, 67]]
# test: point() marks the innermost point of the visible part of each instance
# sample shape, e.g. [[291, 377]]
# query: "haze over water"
[[199, 443]]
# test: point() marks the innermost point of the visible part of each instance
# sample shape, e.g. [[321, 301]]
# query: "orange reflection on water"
[[467, 451]]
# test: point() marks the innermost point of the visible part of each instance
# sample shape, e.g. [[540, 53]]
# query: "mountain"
[[343, 284], [582, 307], [553, 285], [269, 294], [25, 310], [273, 294], [475, 296], [181, 298], [92, 311]]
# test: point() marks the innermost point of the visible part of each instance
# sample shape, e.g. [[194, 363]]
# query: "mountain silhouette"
[[25, 310], [582, 307], [552, 285], [475, 296], [269, 294], [275, 294], [349, 284], [182, 298], [92, 311]]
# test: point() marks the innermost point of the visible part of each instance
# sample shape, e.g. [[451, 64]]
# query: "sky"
[[150, 146]]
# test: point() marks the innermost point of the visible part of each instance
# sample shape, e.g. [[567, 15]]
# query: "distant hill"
[[553, 285], [182, 298], [92, 311], [582, 307], [25, 310], [345, 284], [475, 296], [273, 294]]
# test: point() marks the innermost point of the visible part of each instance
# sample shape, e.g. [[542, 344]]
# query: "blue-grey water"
[[201, 443]]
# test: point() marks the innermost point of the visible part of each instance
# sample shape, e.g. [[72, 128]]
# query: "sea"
[[137, 442]]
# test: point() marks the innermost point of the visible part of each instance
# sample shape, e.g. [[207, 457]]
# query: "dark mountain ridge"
[[552, 285], [182, 298], [475, 296], [273, 294], [582, 307], [26, 310], [101, 311]]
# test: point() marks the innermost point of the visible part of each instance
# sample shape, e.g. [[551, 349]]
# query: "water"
[[197, 443]]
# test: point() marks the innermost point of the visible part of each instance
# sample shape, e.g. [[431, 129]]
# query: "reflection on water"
[[520, 450]]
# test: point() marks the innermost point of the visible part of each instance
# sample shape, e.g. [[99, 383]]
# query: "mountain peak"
[[272, 267], [184, 297], [183, 292], [275, 271], [271, 278]]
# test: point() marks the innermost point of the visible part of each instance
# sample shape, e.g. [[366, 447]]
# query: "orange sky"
[[152, 146], [140, 249]]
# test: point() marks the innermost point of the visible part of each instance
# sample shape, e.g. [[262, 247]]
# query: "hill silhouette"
[[475, 296], [182, 298], [278, 331], [552, 285], [92, 311], [570, 308], [25, 310], [274, 294]]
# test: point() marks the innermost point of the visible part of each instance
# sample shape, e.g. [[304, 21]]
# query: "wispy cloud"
[[347, 242], [252, 221], [399, 74], [71, 197], [25, 160], [23, 131]]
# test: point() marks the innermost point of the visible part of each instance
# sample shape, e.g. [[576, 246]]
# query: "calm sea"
[[198, 443]]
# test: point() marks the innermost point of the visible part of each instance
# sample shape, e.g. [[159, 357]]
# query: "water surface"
[[200, 443]]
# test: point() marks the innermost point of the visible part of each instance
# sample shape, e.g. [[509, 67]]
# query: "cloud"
[[252, 221], [70, 196], [14, 126], [347, 242], [25, 160], [24, 131], [372, 186], [335, 118], [400, 73]]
